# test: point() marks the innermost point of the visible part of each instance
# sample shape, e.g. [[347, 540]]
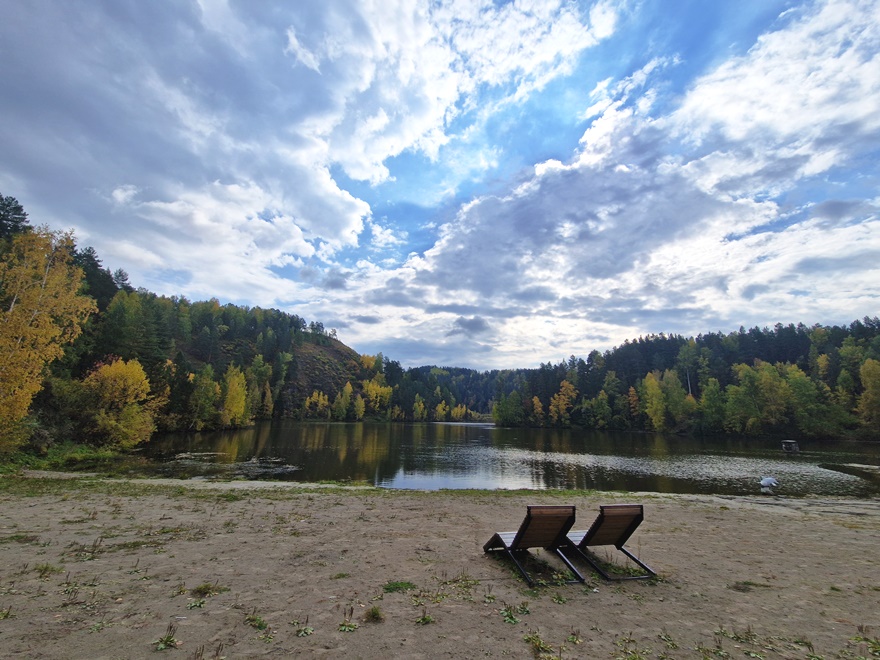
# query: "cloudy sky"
[[461, 182]]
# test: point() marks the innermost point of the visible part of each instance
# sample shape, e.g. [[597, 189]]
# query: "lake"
[[436, 456]]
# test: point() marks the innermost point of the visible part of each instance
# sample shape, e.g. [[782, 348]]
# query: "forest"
[[85, 357]]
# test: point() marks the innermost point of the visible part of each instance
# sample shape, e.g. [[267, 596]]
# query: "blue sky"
[[463, 183]]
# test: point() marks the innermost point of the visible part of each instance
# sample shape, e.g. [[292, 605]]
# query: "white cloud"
[[384, 237], [639, 233], [210, 150], [515, 41], [219, 17], [215, 237], [419, 68], [389, 77], [124, 194], [603, 19], [137, 256], [807, 94], [302, 54], [238, 114]]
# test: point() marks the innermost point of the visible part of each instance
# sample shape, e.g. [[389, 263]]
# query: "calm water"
[[435, 456]]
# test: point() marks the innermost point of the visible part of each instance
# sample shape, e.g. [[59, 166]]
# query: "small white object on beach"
[[767, 483]]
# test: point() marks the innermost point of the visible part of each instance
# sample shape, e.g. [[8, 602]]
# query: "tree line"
[[816, 381], [86, 356]]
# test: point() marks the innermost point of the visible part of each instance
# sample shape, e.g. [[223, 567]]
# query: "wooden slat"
[[615, 524], [545, 526]]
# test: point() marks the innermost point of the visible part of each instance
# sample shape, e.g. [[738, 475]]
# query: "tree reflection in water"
[[434, 456]]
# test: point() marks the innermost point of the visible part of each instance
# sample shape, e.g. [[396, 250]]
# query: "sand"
[[94, 568]]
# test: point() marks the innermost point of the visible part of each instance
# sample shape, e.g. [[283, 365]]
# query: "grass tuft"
[[374, 615], [207, 589], [393, 587]]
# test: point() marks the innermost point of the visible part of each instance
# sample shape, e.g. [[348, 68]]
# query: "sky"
[[468, 183]]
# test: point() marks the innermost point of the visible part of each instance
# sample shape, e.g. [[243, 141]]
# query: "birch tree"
[[41, 310]]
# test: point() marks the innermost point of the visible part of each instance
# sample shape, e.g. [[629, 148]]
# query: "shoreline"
[[98, 568], [261, 485]]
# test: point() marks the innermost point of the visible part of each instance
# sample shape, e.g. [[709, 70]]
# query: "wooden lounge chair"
[[543, 527], [615, 524]]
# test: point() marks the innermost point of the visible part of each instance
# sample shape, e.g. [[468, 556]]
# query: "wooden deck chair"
[[615, 524], [543, 527]]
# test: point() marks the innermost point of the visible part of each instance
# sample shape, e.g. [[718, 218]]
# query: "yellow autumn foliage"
[[41, 310], [123, 413]]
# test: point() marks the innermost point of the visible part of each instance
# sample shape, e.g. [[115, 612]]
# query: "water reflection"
[[434, 456]]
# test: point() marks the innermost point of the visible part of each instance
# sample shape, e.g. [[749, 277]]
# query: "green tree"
[[120, 278], [688, 363], [508, 410], [204, 400], [851, 355], [258, 376], [342, 403], [601, 410], [123, 326], [41, 310], [680, 405], [98, 280], [760, 400], [814, 412], [359, 406], [654, 401], [845, 392], [616, 400], [420, 413], [13, 219], [869, 401], [180, 380], [712, 407]]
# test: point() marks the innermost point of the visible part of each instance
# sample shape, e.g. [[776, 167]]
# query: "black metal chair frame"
[[613, 526], [545, 526]]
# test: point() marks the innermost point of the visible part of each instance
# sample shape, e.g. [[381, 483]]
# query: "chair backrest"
[[544, 526], [615, 524]]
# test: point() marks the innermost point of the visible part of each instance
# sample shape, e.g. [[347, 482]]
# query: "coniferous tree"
[[13, 218], [99, 283]]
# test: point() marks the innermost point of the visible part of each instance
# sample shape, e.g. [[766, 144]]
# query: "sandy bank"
[[96, 569]]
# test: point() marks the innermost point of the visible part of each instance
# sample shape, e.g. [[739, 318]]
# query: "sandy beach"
[[95, 568]]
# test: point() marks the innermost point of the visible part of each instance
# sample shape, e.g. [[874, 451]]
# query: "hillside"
[[322, 367]]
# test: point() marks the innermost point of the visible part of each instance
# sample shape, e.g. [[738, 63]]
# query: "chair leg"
[[639, 562], [577, 576], [522, 570], [616, 578], [584, 556]]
